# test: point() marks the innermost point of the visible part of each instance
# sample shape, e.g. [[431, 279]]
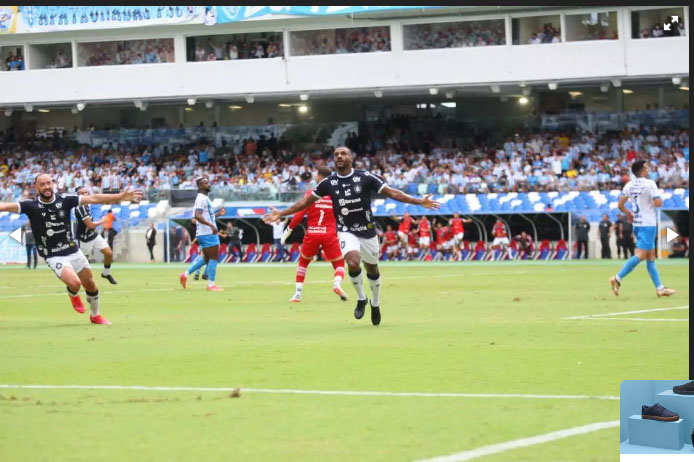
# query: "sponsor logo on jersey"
[[356, 179], [334, 182], [59, 205]]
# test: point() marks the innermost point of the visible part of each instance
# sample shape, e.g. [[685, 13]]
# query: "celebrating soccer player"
[[49, 216], [206, 234], [321, 233], [350, 191], [89, 240], [644, 197]]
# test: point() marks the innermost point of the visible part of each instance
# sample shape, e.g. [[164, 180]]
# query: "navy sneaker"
[[658, 412], [686, 389]]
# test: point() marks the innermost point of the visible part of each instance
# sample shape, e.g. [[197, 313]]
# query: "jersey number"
[[636, 203], [322, 214]]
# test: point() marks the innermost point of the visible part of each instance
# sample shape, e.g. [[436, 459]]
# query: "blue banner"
[[225, 14], [11, 251], [29, 19]]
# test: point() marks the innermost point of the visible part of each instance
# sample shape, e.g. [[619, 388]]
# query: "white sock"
[[210, 283], [93, 301], [375, 285], [358, 284], [299, 289], [106, 271]]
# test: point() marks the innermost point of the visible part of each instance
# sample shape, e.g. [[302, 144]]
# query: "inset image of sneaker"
[[686, 389], [658, 412]]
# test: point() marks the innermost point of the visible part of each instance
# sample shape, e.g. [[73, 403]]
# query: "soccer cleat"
[[375, 315], [183, 278], [340, 293], [665, 292], [295, 299], [615, 285], [77, 304], [214, 288], [359, 310], [686, 389], [196, 276], [658, 412], [109, 277], [205, 277], [98, 319]]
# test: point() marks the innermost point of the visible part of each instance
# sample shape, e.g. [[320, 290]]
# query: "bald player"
[[49, 216]]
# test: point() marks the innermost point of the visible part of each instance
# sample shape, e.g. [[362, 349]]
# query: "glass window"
[[591, 26], [51, 56], [666, 22], [234, 46], [150, 51], [454, 34], [334, 41], [12, 58], [536, 30]]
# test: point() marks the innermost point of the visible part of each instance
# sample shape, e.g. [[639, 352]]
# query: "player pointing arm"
[[351, 191]]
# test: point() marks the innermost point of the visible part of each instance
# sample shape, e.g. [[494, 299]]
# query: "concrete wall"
[[624, 57]]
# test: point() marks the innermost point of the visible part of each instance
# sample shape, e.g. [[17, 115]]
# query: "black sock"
[[355, 273], [373, 276], [107, 266], [74, 294]]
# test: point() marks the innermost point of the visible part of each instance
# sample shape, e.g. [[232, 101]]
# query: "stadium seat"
[[544, 251], [465, 252], [266, 253], [561, 252], [479, 251], [250, 253]]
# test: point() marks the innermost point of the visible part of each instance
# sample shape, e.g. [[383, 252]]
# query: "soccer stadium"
[[350, 233]]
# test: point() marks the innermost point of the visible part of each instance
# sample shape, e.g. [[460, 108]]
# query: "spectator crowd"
[[222, 48], [148, 51], [455, 34], [526, 162], [336, 41]]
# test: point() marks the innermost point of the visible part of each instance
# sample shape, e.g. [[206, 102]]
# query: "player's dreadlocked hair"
[[637, 167]]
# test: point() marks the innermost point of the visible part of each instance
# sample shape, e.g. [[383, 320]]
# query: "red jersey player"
[[443, 238], [321, 232], [404, 227], [456, 225], [500, 237], [424, 231], [391, 243]]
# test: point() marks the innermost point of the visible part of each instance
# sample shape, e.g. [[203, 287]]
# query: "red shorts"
[[330, 244]]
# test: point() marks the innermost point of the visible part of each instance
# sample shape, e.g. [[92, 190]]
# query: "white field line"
[[303, 392], [636, 319], [592, 316], [523, 442], [233, 283]]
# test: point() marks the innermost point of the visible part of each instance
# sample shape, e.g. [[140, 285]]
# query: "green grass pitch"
[[471, 328]]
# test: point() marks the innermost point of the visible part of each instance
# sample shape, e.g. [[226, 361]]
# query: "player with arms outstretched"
[[457, 228], [351, 191], [320, 233], [644, 197], [206, 234], [49, 216]]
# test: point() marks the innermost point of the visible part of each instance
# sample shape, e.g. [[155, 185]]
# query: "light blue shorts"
[[645, 237], [208, 240]]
